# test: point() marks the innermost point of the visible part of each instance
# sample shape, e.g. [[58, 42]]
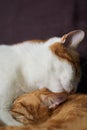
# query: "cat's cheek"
[[57, 89], [56, 86], [68, 87]]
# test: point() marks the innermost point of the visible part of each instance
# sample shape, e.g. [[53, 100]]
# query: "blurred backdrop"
[[40, 19]]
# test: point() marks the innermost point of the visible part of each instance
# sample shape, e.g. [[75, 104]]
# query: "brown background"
[[32, 19]]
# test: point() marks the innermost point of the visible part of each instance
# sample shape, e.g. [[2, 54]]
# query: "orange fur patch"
[[31, 41], [37, 41], [68, 54]]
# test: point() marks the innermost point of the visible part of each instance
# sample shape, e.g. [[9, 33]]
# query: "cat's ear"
[[53, 100], [72, 39]]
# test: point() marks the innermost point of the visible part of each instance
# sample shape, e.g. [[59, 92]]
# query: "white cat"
[[32, 65]]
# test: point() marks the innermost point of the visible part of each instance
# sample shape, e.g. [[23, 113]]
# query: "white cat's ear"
[[53, 100], [72, 39]]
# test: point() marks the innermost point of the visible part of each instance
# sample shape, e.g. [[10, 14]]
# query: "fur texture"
[[30, 66], [33, 110]]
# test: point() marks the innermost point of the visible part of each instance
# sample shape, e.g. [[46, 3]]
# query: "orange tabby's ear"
[[72, 39], [53, 100]]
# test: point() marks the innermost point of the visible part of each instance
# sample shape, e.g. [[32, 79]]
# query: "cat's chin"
[[56, 89]]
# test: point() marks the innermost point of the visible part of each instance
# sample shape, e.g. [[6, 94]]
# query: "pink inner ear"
[[53, 100], [57, 100]]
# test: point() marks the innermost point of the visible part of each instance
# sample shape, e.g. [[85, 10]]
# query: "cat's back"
[[9, 63], [7, 55], [6, 51], [74, 108]]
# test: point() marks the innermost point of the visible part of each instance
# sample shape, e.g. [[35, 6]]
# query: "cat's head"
[[67, 67], [37, 106]]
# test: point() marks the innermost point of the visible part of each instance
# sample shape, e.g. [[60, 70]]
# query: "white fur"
[[26, 67]]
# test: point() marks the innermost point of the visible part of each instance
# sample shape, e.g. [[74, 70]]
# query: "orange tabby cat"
[[39, 110]]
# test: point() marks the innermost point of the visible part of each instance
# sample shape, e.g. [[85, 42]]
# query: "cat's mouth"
[[69, 91], [73, 91]]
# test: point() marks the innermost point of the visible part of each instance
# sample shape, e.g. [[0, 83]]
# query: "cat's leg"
[[6, 99]]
